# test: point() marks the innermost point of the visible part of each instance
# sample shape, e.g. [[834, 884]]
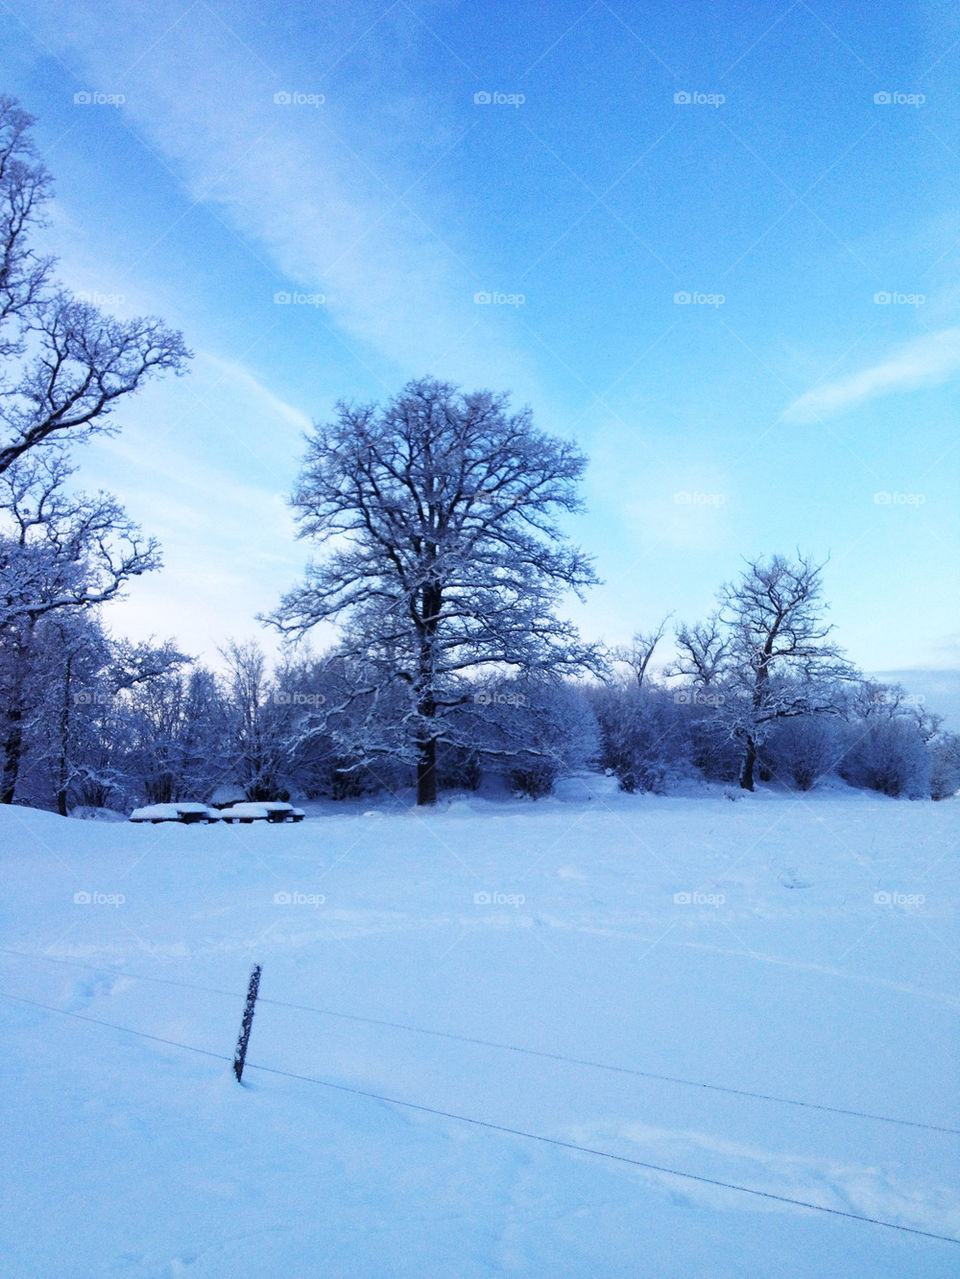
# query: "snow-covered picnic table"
[[175, 813], [272, 811]]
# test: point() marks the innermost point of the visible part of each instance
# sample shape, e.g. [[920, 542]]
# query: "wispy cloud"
[[313, 192], [928, 360], [243, 381]]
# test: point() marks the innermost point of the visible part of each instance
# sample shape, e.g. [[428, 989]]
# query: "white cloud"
[[314, 193], [928, 360], [243, 381]]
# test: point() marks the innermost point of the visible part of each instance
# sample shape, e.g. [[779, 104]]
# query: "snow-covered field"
[[554, 927]]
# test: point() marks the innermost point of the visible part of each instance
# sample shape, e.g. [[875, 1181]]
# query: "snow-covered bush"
[[534, 778], [944, 753], [887, 754], [458, 767], [346, 741], [800, 751], [645, 733], [715, 754], [531, 730]]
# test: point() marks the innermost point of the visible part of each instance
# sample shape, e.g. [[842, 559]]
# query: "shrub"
[[944, 766], [804, 749], [645, 735], [887, 755]]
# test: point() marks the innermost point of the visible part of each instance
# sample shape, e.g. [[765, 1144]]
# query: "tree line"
[[106, 724], [443, 560]]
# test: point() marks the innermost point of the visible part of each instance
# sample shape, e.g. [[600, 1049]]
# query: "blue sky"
[[781, 406]]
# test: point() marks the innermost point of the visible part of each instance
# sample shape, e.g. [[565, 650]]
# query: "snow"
[[257, 811], [585, 787], [815, 959], [172, 812], [90, 813], [274, 809]]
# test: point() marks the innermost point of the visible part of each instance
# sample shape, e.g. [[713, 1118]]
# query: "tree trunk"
[[759, 697], [426, 705], [427, 772], [63, 768], [12, 752], [13, 715], [749, 759]]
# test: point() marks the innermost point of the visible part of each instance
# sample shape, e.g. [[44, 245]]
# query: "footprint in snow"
[[790, 879], [83, 993]]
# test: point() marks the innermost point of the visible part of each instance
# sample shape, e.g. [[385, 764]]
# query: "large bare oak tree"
[[444, 556]]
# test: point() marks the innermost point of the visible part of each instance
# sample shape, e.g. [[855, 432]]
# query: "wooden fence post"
[[244, 1038]]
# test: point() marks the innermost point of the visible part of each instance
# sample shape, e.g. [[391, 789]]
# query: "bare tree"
[[702, 652], [52, 715], [874, 700], [61, 550], [25, 187], [178, 732], [63, 368], [779, 662], [64, 365], [61, 554], [447, 560], [637, 654], [261, 738]]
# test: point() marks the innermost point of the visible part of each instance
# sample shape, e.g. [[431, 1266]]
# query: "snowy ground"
[[126, 1156]]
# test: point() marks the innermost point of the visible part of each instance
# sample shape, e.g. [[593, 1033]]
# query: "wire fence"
[[506, 1047], [474, 1120]]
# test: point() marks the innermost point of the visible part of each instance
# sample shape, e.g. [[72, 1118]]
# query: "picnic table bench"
[[184, 813], [189, 813], [272, 811]]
